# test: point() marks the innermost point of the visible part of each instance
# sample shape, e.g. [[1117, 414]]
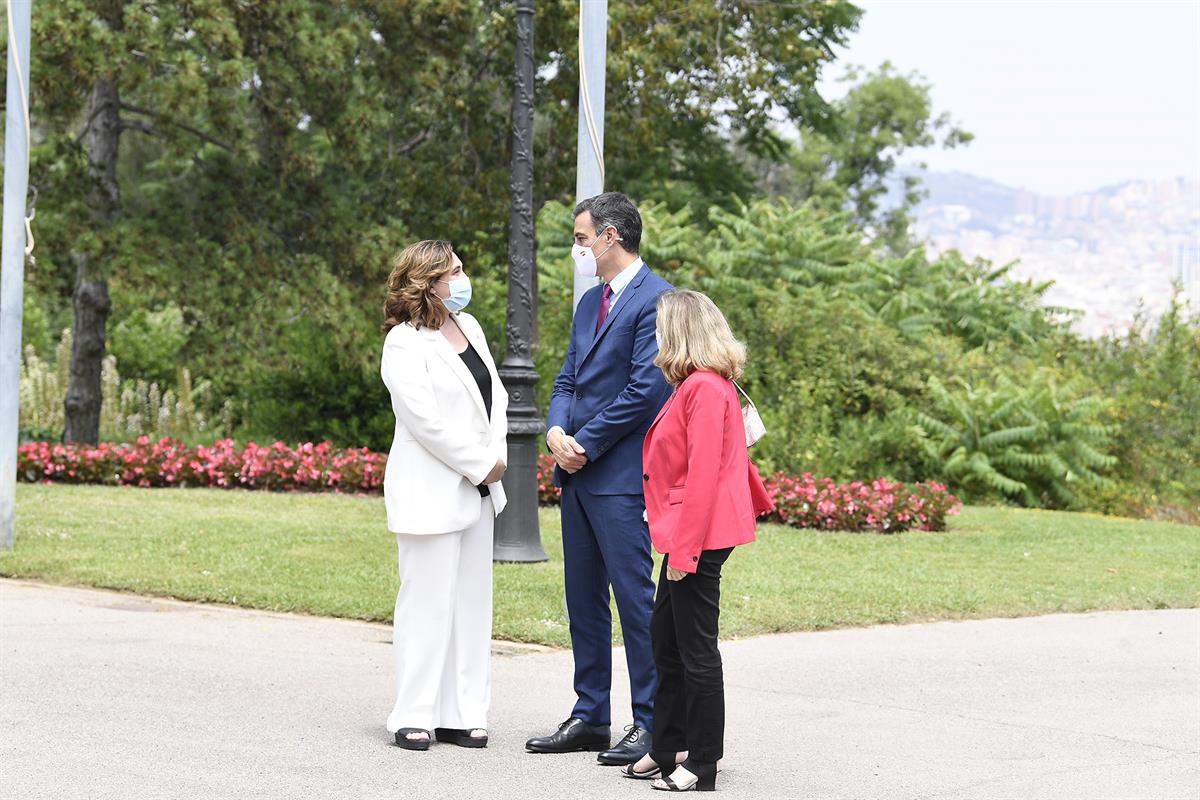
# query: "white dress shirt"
[[622, 280]]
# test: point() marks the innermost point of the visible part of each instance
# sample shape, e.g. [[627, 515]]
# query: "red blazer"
[[702, 491]]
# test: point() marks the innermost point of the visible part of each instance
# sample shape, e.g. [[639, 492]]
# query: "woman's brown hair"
[[410, 286], [693, 334]]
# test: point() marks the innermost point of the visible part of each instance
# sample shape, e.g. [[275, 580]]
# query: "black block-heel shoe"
[[663, 764], [413, 744], [689, 775], [460, 736]]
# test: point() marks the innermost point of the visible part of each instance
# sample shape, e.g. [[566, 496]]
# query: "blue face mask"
[[460, 293]]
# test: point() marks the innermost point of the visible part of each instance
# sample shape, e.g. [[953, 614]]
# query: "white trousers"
[[443, 628]]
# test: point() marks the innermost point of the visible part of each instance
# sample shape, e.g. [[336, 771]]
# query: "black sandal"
[[696, 775], [662, 763], [413, 744], [460, 736]]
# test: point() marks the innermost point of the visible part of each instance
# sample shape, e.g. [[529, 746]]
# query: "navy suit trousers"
[[606, 542]]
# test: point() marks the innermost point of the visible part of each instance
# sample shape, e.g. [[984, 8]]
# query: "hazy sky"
[[1062, 96]]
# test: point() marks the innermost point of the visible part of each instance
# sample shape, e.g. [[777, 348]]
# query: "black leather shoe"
[[627, 751], [571, 736]]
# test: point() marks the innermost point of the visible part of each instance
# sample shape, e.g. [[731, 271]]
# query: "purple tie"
[[605, 298]]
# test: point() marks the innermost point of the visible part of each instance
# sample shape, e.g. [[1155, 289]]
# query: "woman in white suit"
[[442, 491]]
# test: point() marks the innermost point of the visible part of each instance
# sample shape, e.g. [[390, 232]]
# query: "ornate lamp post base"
[[517, 536]]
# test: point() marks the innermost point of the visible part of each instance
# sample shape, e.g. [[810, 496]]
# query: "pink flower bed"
[[882, 506], [801, 502], [308, 467]]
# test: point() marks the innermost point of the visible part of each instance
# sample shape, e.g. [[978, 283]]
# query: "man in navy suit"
[[605, 398]]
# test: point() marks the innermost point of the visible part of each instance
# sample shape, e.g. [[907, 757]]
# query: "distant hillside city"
[[1110, 252]]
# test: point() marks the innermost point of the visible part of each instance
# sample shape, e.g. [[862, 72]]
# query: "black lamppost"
[[517, 535]]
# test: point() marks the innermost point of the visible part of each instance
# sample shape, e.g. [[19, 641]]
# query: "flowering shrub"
[[882, 505], [308, 467], [804, 502], [548, 493], [128, 408]]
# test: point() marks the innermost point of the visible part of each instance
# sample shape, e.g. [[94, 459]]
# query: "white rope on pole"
[[12, 42], [589, 117]]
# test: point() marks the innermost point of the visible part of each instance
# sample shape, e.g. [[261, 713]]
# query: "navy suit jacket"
[[609, 391]]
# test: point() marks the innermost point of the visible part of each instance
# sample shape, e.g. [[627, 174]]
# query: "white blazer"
[[444, 444]]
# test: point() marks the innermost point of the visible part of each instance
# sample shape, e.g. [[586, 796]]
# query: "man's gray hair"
[[615, 210]]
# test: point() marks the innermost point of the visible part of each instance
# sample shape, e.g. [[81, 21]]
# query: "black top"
[[479, 372], [483, 379]]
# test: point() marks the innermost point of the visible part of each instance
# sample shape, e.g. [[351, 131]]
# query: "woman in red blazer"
[[703, 496]]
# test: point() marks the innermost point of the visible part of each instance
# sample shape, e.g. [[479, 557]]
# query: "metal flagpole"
[[589, 164], [13, 252]]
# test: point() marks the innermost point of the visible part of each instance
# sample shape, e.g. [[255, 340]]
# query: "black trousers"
[[689, 706]]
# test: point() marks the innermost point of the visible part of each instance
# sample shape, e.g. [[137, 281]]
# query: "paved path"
[[106, 695]]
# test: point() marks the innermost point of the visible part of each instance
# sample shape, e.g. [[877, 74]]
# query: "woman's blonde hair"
[[410, 296], [694, 335]]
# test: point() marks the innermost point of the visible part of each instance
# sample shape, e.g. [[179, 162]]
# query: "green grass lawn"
[[332, 555]]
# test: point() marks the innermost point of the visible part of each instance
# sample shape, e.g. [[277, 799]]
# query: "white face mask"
[[585, 259], [460, 293]]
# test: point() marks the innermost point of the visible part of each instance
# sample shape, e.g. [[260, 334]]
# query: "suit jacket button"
[[695, 558], [645, 477], [577, 395]]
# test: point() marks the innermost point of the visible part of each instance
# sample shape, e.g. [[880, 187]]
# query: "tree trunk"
[[91, 288], [87, 358]]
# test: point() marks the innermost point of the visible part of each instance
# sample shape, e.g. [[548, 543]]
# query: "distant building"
[[1111, 253], [956, 214], [1187, 263], [1025, 203]]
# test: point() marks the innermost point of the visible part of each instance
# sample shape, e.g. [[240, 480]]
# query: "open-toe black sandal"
[[461, 737], [663, 764], [413, 744], [689, 776]]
